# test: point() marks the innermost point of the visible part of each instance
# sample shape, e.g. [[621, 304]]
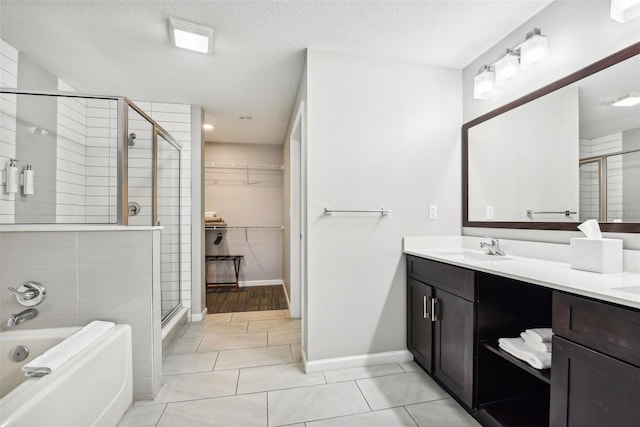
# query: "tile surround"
[[280, 393]]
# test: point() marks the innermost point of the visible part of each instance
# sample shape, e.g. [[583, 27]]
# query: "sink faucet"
[[24, 315], [492, 248]]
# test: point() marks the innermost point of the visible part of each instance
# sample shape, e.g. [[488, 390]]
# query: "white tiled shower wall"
[[589, 180], [8, 78]]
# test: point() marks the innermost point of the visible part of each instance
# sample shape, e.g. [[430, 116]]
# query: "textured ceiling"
[[123, 47]]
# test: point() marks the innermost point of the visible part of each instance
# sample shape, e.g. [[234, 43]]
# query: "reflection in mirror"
[[561, 155]]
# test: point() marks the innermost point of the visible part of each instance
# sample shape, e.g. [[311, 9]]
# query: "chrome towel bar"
[[530, 212], [381, 211]]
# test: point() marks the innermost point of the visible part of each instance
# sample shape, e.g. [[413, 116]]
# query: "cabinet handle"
[[425, 314], [434, 313]]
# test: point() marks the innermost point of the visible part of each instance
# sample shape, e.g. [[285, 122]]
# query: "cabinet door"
[[419, 329], [453, 344], [589, 389]]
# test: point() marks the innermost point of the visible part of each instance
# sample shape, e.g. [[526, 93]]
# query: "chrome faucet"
[[492, 248], [23, 316]]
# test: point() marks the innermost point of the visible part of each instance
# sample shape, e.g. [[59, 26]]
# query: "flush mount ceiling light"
[[484, 83], [208, 126], [507, 67], [534, 50], [187, 35], [529, 54], [625, 10], [629, 100]]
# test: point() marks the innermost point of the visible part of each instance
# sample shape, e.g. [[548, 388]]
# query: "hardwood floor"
[[250, 298]]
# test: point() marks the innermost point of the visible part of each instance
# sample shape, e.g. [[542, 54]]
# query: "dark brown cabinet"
[[440, 323], [596, 364]]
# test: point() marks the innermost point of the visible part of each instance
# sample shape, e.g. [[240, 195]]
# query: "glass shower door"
[[168, 216]]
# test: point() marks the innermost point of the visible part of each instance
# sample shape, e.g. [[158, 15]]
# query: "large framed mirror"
[[558, 156]]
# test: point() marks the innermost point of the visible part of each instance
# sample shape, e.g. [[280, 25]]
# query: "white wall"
[[380, 134], [532, 158], [241, 199], [579, 33]]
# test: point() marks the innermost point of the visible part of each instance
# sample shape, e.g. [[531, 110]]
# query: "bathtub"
[[94, 388]]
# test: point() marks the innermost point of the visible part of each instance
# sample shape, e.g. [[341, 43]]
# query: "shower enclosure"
[[96, 160]]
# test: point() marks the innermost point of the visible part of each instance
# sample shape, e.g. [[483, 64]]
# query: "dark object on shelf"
[[218, 239]]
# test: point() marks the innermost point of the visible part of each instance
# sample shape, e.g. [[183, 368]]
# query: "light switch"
[[433, 211], [489, 212]]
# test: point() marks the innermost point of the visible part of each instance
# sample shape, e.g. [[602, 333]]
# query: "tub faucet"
[[24, 315], [492, 248]]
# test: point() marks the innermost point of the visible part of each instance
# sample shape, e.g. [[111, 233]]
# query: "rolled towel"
[[517, 348], [539, 334], [57, 355], [540, 346]]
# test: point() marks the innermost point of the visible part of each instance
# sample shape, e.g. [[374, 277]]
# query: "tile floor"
[[244, 370]]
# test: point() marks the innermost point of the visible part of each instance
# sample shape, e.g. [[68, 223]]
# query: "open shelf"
[[541, 374], [524, 411]]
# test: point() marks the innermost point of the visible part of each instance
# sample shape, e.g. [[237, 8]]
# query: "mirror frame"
[[600, 65]]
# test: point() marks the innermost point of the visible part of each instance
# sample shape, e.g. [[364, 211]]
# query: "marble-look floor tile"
[[176, 388], [184, 345], [217, 318], [247, 411], [142, 416], [314, 403], [232, 341], [173, 364], [410, 366], [203, 330], [274, 325], [257, 315], [441, 413], [275, 377], [396, 417], [398, 390], [293, 336], [251, 357], [363, 372], [296, 352]]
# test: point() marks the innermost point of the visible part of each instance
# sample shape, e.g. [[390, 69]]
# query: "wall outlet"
[[489, 212], [433, 211]]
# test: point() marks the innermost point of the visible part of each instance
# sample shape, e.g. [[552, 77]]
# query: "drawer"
[[455, 280], [604, 327]]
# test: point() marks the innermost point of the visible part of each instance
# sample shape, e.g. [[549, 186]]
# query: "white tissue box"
[[600, 256]]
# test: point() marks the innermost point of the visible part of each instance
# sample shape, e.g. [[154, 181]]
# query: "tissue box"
[[600, 256]]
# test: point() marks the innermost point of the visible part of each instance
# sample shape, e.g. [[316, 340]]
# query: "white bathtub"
[[93, 388]]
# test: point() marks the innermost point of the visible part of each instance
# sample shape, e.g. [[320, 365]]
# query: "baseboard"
[[199, 317], [311, 366], [286, 297], [246, 283]]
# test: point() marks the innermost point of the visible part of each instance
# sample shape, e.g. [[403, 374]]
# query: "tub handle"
[[29, 294]]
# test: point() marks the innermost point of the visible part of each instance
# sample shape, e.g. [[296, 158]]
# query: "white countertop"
[[621, 288]]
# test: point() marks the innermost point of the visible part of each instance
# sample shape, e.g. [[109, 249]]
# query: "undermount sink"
[[469, 255]]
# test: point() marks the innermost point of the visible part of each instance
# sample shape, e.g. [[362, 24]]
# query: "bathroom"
[[365, 145]]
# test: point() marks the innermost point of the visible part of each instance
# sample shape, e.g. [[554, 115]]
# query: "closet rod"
[[243, 166]]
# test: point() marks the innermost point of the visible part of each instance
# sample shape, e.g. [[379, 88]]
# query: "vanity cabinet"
[[440, 322], [596, 364]]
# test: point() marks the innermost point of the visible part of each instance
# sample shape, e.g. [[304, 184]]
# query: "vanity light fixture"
[[484, 83], [208, 126], [507, 67], [191, 36], [534, 50], [530, 53], [624, 10], [629, 100]]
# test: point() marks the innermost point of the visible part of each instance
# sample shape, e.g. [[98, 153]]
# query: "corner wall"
[[380, 134]]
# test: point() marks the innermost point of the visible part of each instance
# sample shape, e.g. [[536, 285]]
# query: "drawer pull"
[[425, 314], [434, 312]]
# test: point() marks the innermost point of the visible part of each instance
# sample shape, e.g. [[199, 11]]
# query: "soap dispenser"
[[28, 181], [11, 179]]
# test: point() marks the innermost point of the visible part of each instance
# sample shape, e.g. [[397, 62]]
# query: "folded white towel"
[[539, 334], [517, 348], [57, 355], [540, 346]]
